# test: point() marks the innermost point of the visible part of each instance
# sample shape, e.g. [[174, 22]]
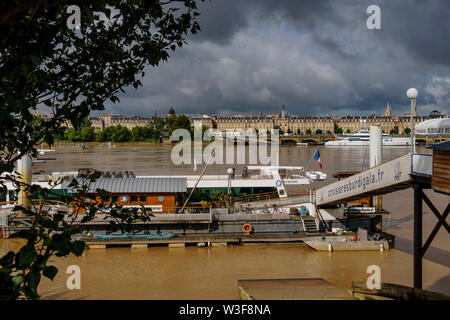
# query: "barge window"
[[12, 195], [134, 198], [160, 198], [114, 199], [143, 198]]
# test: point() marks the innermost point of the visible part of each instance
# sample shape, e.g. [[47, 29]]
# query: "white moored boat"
[[362, 137]]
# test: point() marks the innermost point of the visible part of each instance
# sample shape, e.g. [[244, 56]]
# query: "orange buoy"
[[247, 228]]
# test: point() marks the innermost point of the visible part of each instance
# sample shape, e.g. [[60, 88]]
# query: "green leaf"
[[77, 247], [7, 259], [17, 280], [33, 278], [5, 271], [26, 256], [50, 272]]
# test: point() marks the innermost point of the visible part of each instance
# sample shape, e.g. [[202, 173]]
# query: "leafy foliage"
[[178, 122], [69, 73]]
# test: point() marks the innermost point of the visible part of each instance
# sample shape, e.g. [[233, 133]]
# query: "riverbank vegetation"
[[153, 132]]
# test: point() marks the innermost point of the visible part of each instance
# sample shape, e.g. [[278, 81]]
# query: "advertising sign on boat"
[[390, 173]]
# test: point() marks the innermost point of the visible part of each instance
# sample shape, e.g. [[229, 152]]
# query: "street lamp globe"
[[412, 93]]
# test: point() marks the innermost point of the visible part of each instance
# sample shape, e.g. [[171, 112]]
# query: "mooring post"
[[418, 236], [376, 158], [25, 171]]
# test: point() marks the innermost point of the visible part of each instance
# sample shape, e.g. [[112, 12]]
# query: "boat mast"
[[201, 175]]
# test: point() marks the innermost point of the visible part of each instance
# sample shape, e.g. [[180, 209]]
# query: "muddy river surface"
[[212, 273]]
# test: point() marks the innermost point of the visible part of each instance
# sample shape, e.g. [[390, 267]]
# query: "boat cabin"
[[161, 194]]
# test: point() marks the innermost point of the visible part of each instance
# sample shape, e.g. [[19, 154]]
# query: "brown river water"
[[212, 273]]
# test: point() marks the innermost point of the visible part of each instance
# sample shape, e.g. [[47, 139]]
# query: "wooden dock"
[[314, 240], [212, 240], [321, 289], [292, 289]]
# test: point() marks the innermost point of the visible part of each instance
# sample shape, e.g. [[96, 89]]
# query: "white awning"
[[433, 127]]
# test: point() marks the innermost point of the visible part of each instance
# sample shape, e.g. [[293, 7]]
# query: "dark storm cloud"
[[220, 20], [223, 18], [316, 57], [420, 27]]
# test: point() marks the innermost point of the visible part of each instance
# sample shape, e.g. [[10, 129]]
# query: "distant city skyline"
[[283, 121], [272, 112]]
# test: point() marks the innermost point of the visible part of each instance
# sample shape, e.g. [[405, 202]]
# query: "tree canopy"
[[67, 73]]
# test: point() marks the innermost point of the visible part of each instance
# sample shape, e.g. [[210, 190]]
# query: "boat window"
[[114, 199], [143, 198], [2, 197], [105, 198], [12, 195], [124, 199], [134, 198], [160, 198]]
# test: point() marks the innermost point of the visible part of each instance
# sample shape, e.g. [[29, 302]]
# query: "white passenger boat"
[[256, 179], [362, 137]]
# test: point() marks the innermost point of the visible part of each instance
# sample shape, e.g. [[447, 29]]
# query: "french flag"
[[317, 157]]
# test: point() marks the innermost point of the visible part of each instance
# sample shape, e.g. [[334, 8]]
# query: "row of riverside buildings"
[[295, 124]]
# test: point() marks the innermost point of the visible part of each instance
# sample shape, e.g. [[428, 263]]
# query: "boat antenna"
[[198, 180]]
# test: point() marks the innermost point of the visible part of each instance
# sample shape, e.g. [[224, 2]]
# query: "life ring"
[[247, 228]]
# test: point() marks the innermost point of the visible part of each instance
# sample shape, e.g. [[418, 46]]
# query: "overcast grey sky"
[[316, 57]]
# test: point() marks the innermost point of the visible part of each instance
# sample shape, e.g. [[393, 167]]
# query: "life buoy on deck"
[[247, 228], [355, 238]]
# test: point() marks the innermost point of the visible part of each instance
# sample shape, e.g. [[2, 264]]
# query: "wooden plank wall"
[[441, 171]]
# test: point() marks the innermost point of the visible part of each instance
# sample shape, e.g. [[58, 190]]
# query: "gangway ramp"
[[397, 174]]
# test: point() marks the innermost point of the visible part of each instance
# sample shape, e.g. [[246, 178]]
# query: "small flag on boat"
[[317, 157]]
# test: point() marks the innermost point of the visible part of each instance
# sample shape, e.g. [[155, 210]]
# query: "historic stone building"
[[303, 125], [283, 121], [243, 122], [205, 120], [125, 121], [311, 124], [392, 124], [287, 123], [97, 124]]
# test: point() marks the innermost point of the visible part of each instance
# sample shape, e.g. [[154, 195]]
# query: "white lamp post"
[[412, 94], [230, 172]]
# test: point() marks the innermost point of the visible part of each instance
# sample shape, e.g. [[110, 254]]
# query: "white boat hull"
[[398, 142]]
